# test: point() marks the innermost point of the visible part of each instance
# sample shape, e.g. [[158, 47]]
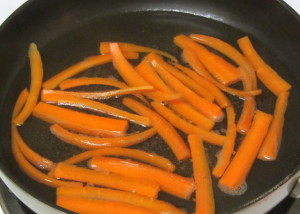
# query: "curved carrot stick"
[[116, 195], [205, 202], [164, 129], [140, 186], [186, 127], [166, 180], [270, 147], [81, 122], [244, 158], [36, 66], [90, 142], [151, 158]]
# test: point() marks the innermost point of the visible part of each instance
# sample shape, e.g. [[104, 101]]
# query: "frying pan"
[[66, 31]]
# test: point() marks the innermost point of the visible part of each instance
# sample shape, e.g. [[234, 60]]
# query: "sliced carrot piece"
[[225, 155], [164, 129], [105, 48], [205, 202], [90, 142], [237, 171], [81, 122], [186, 127], [270, 147], [245, 119], [167, 180], [140, 186], [151, 158], [36, 66], [116, 195]]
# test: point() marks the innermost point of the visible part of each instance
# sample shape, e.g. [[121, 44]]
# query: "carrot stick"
[[90, 142], [93, 206], [167, 180], [270, 147], [151, 158], [186, 127], [265, 73], [105, 48], [164, 129], [204, 193], [81, 122], [245, 119], [121, 196], [204, 106], [36, 66], [225, 155], [188, 112], [238, 169], [140, 186]]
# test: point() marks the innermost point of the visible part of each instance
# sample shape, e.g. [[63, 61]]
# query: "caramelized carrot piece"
[[270, 147], [238, 169], [164, 129], [166, 180], [90, 142], [151, 158], [265, 73], [81, 122], [188, 112], [128, 47], [225, 155], [36, 67], [140, 186], [186, 127], [116, 195], [205, 202], [93, 206]]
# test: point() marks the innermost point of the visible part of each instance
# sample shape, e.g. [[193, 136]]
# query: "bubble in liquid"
[[239, 191]]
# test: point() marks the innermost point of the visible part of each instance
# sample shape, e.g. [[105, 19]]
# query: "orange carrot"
[[35, 85], [105, 48], [186, 127], [244, 158], [204, 193], [151, 158], [225, 155], [76, 69], [167, 180], [81, 122], [140, 186], [90, 142], [204, 106], [245, 119], [270, 147], [265, 73], [164, 129], [188, 112], [121, 196]]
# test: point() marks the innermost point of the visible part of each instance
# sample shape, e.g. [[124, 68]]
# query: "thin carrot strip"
[[81, 122], [186, 127], [245, 119], [140, 186], [36, 66], [116, 195], [105, 48], [204, 106], [166, 180], [90, 142], [164, 129], [93, 206], [239, 167], [69, 100], [265, 73], [151, 158], [270, 147], [205, 202], [228, 147]]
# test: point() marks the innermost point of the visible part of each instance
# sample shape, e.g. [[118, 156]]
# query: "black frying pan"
[[67, 31]]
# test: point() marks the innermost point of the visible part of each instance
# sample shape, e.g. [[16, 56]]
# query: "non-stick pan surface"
[[66, 31]]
